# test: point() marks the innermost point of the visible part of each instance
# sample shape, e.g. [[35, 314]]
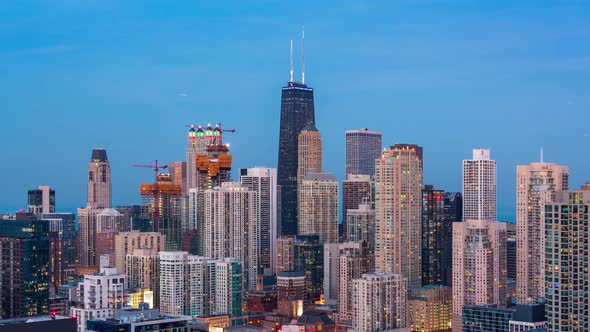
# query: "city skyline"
[[402, 60]]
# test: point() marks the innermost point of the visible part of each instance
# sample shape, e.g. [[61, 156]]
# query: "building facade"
[[126, 242], [479, 186], [536, 185], [41, 200], [398, 196], [479, 265], [566, 258], [297, 110], [318, 207], [24, 280], [437, 234], [309, 152], [431, 308], [263, 181], [363, 146], [142, 268], [357, 189], [380, 302], [232, 229]]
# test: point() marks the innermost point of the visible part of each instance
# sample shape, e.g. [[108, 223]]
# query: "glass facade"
[[297, 110]]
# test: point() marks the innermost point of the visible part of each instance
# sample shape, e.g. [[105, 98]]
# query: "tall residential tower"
[[479, 186]]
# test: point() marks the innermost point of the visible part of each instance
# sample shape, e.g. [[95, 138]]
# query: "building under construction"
[[209, 165], [162, 206]]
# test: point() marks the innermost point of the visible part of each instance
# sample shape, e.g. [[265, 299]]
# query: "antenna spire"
[[291, 64], [302, 55], [541, 153]]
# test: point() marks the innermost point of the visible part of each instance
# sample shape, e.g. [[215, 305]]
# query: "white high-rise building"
[[380, 302], [479, 265], [232, 228], [101, 294], [108, 220], [199, 286], [536, 185], [398, 195], [479, 186], [263, 181], [318, 207]]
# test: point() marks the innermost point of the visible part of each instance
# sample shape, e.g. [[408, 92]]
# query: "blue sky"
[[448, 75]]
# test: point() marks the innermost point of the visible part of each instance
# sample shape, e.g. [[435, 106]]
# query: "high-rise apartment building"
[[357, 189], [297, 110], [285, 254], [126, 242], [309, 155], [99, 180], [63, 226], [479, 265], [398, 197], [437, 234], [357, 261], [361, 225], [101, 294], [431, 308], [108, 220], [142, 268], [200, 286], [318, 207], [565, 257], [536, 185], [163, 202], [24, 280], [41, 200], [344, 262], [454, 206], [232, 229], [479, 186], [363, 146], [87, 257], [379, 302], [263, 181]]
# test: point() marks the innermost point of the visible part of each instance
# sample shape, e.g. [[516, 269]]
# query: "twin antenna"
[[302, 59]]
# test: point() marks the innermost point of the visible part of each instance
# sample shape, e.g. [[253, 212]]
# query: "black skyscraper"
[[296, 112]]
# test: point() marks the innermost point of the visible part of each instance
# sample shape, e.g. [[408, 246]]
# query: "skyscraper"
[[380, 302], [163, 201], [437, 234], [99, 197], [41, 200], [142, 268], [565, 257], [63, 225], [398, 195], [297, 110], [479, 186], [536, 185], [99, 180], [479, 265], [126, 242], [309, 157], [309, 258], [362, 148], [232, 229], [263, 181], [357, 189], [360, 225], [24, 280], [318, 207]]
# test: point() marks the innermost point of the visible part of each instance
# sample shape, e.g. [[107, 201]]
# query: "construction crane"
[[155, 192]]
